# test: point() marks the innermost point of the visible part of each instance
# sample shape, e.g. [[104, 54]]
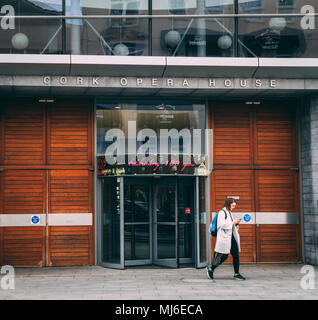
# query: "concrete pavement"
[[264, 282]]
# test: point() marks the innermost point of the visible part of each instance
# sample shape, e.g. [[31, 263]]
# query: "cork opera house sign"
[[149, 82]]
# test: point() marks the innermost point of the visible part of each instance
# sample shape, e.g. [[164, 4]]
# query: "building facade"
[[125, 124]]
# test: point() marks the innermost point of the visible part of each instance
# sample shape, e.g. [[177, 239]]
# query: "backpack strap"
[[225, 213]]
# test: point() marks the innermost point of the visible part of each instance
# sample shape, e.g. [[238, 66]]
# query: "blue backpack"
[[213, 228]]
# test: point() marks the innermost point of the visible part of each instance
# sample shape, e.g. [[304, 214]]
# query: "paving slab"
[[264, 282]]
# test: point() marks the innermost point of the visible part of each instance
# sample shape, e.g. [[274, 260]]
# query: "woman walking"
[[227, 240]]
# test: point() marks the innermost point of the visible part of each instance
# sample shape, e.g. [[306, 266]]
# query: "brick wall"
[[308, 116]]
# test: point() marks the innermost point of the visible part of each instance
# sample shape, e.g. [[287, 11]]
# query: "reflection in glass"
[[165, 203], [155, 116], [111, 220], [211, 37], [166, 241], [185, 240], [21, 39], [136, 219], [186, 217], [137, 242], [115, 36], [273, 37]]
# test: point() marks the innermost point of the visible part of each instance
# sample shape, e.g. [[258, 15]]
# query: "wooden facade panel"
[[275, 135], [278, 243], [1, 135], [23, 191], [1, 192], [70, 134], [232, 135], [232, 183], [248, 245], [23, 246], [70, 246], [24, 135], [262, 141], [70, 191], [276, 191]]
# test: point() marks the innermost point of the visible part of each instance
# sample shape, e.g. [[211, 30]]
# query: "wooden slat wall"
[[276, 191], [23, 192], [23, 246], [47, 150], [70, 191], [232, 135], [278, 243], [24, 135], [1, 136], [70, 246], [69, 135], [258, 169], [236, 182], [275, 135]]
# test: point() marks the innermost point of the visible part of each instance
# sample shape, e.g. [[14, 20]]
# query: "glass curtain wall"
[[278, 36], [193, 37], [186, 33], [17, 35]]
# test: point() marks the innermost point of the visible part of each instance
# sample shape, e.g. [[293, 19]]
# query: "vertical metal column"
[[236, 8], [63, 28]]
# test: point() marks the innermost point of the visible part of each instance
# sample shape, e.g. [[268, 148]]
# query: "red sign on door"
[[187, 210]]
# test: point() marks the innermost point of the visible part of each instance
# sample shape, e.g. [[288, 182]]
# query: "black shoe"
[[238, 276], [209, 273]]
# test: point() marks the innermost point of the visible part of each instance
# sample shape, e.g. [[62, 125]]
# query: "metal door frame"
[[141, 180], [166, 262]]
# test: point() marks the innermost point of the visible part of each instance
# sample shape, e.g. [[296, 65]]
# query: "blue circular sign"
[[35, 219], [247, 217]]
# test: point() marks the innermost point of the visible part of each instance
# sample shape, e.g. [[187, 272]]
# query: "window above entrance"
[[151, 138]]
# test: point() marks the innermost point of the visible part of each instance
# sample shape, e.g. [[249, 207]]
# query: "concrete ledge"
[[117, 65], [211, 67], [34, 64], [287, 68], [152, 66]]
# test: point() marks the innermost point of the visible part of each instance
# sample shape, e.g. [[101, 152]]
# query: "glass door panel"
[[165, 222], [111, 222], [186, 209], [137, 222]]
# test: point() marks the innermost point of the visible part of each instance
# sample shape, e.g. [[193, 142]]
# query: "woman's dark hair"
[[228, 203]]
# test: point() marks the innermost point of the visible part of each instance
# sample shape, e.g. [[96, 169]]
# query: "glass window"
[[286, 4], [35, 7], [219, 6], [275, 36], [115, 36], [177, 6], [143, 123], [192, 6], [17, 34], [110, 220], [250, 5]]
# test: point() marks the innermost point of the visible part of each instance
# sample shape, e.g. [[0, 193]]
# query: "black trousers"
[[219, 258]]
